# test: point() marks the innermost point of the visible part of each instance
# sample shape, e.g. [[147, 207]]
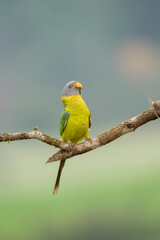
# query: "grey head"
[[72, 88]]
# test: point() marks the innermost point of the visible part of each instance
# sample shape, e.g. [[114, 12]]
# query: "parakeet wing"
[[63, 121], [90, 121]]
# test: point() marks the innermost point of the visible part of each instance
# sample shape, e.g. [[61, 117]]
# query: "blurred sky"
[[113, 48]]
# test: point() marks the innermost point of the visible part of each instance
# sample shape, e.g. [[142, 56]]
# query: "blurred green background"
[[113, 48]]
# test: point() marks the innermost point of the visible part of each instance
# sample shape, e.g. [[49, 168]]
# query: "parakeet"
[[75, 120]]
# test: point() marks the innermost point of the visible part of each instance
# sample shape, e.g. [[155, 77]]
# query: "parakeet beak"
[[79, 86]]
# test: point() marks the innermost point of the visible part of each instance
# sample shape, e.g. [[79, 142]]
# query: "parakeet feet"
[[89, 139], [70, 145]]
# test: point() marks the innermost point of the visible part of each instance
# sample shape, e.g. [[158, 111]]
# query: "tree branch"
[[106, 137], [36, 134], [66, 151]]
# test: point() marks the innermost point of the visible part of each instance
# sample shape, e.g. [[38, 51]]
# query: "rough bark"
[[67, 151]]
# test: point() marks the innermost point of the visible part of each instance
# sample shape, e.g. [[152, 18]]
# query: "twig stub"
[[156, 107]]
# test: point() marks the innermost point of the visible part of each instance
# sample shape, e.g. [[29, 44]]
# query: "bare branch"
[[36, 134], [65, 149]]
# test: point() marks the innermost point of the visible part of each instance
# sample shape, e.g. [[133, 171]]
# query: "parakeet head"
[[72, 88]]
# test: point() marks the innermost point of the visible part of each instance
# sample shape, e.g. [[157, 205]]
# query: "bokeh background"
[[113, 48]]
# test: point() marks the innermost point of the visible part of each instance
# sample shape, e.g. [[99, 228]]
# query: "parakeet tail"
[[56, 187]]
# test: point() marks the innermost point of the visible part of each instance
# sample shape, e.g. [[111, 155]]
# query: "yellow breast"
[[78, 121]]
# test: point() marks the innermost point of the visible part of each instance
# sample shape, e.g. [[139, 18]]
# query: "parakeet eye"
[[70, 86]]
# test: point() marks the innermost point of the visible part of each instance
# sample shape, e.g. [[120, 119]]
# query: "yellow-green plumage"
[[75, 120], [78, 121]]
